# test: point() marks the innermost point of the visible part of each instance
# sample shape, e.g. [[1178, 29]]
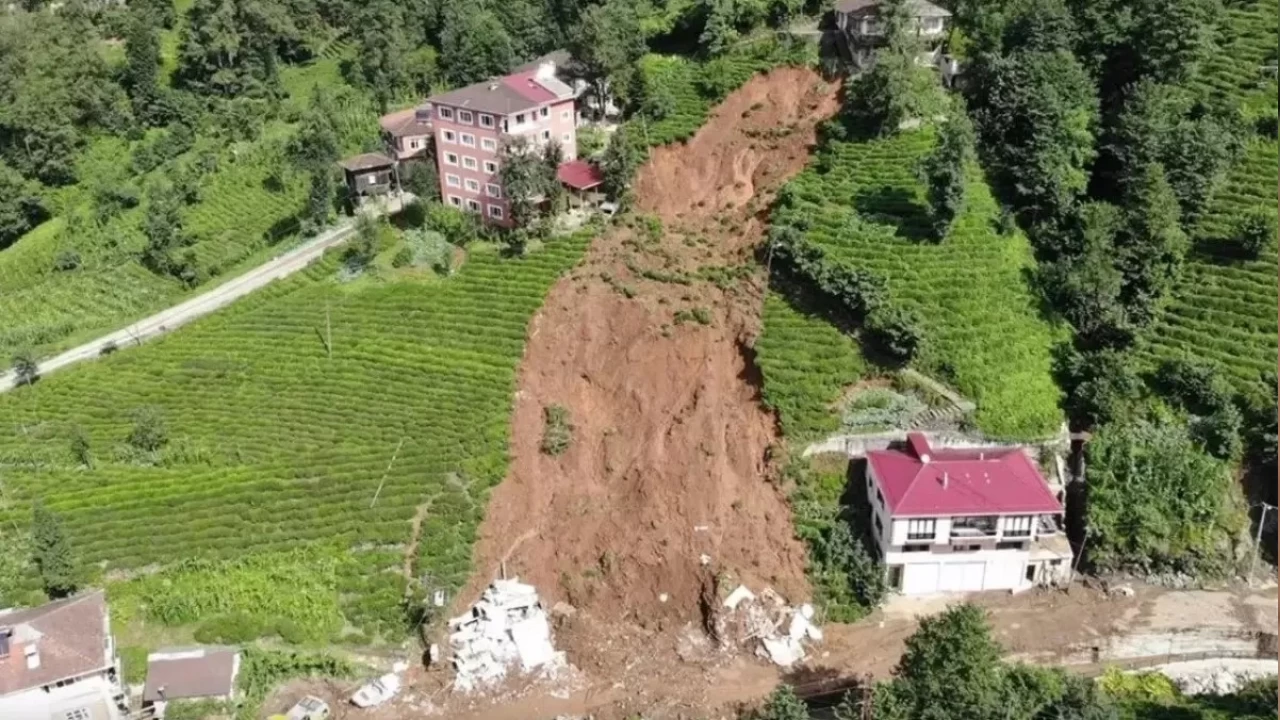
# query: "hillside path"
[[206, 302]]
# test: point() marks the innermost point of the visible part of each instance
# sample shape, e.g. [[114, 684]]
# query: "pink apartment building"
[[471, 123]]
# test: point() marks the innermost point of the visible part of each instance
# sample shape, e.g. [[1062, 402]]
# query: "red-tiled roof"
[[526, 84], [69, 636], [922, 481], [580, 175]]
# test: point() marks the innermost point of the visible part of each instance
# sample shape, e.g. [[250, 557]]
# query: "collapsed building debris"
[[506, 627], [778, 629]]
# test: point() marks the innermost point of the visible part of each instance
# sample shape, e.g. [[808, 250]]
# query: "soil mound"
[[666, 483]]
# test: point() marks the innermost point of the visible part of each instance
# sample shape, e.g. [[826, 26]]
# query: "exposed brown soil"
[[667, 481]]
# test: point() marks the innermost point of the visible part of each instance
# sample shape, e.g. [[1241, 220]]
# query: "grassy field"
[[982, 330], [276, 445], [1224, 308]]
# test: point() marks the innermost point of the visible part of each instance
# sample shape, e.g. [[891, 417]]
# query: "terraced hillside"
[[1223, 308], [863, 203], [275, 444], [243, 214]]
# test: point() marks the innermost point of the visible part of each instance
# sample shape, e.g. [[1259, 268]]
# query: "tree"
[[81, 446], [162, 226], [607, 44], [1172, 38], [552, 159], [1152, 246], [1035, 113], [951, 670], [20, 205], [364, 247], [618, 164], [525, 178], [474, 45], [720, 32], [896, 89], [381, 59], [150, 431], [25, 367], [422, 178], [943, 172], [1101, 386], [51, 553], [231, 48], [783, 705], [141, 73], [1157, 502]]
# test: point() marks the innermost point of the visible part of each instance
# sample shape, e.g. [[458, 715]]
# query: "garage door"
[[961, 577], [919, 578]]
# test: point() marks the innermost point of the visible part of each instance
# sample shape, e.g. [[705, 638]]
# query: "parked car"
[[308, 708], [377, 692]]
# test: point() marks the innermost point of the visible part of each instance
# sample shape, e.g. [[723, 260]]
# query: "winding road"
[[209, 301]]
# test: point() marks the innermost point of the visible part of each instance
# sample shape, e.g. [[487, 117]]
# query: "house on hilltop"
[[407, 132], [964, 520], [862, 32], [58, 662], [201, 673]]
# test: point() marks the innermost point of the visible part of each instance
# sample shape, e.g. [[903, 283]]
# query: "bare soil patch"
[[667, 481]]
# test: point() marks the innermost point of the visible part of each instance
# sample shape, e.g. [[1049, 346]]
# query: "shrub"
[[66, 261], [1253, 232], [558, 432], [292, 632], [133, 661], [150, 432], [81, 447], [1194, 383], [235, 628], [894, 331], [403, 258], [1219, 432]]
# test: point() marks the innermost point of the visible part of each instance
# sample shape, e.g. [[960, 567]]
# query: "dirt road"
[[207, 302]]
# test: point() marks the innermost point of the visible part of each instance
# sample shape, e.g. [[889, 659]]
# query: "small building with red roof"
[[964, 519]]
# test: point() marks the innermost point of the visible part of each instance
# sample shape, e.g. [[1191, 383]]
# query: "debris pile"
[[508, 626], [778, 630]]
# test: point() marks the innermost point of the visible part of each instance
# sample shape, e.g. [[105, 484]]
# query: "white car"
[[377, 692]]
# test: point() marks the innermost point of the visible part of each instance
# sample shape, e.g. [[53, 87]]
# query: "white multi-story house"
[[962, 520], [862, 33], [59, 662]]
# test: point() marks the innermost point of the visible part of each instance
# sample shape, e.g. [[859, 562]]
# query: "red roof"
[[528, 87], [580, 175], [922, 481]]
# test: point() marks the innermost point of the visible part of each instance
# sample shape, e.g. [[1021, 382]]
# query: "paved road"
[[206, 302]]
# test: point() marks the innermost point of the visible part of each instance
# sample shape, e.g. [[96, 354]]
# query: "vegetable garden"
[[278, 443], [862, 203]]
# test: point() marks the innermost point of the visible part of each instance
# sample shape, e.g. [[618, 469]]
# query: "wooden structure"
[[369, 174], [583, 179]]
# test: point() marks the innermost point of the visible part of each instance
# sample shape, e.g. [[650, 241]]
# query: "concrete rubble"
[[1221, 676], [506, 629], [778, 630]]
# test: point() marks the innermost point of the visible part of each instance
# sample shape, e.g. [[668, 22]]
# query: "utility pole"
[[1262, 520]]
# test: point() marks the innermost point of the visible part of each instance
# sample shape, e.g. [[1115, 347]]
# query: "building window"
[[1017, 526], [452, 181], [915, 548], [490, 167], [921, 529], [966, 548], [473, 186], [879, 526], [1010, 545], [546, 134], [566, 115], [489, 144], [495, 211], [895, 577], [473, 205], [455, 201], [77, 714], [565, 138], [413, 144], [520, 119], [469, 162], [879, 497], [486, 120], [450, 158], [448, 136], [545, 112], [446, 113], [464, 116], [468, 139], [493, 191]]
